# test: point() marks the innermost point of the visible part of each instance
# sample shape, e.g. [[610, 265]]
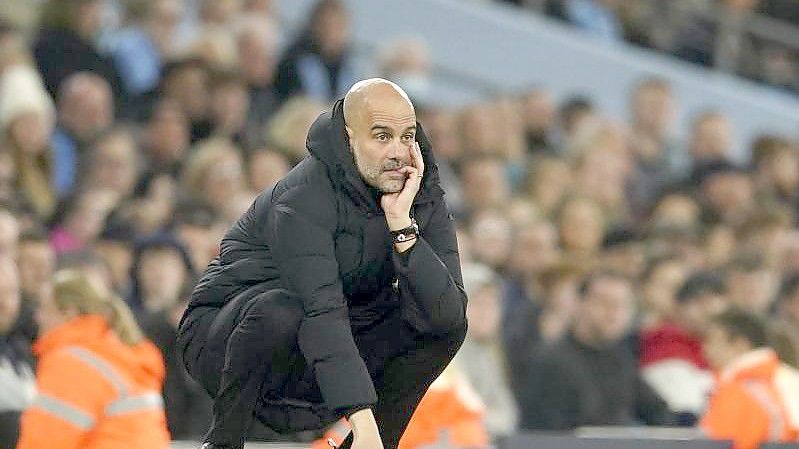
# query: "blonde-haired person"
[[99, 380]]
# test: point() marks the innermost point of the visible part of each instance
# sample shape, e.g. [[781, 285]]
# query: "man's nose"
[[398, 150]]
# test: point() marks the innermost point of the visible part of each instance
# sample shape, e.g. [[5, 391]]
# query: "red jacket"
[[95, 392]]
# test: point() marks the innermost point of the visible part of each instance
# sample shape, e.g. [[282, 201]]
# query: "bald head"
[[381, 126], [373, 94]]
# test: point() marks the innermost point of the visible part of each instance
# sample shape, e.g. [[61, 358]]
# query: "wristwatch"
[[406, 234]]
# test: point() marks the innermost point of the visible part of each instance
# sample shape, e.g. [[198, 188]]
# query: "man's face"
[[720, 348], [608, 309], [382, 140], [9, 295]]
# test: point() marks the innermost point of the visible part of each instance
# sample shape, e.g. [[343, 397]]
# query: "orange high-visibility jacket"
[[95, 392], [756, 400]]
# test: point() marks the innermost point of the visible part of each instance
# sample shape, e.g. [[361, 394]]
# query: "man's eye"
[[407, 137], [382, 137]]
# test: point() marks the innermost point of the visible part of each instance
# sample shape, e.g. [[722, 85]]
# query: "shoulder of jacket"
[[308, 188]]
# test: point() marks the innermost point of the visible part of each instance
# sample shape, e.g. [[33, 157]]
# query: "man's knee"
[[455, 336], [277, 313]]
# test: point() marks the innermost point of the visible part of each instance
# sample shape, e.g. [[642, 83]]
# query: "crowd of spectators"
[[756, 39], [595, 252]]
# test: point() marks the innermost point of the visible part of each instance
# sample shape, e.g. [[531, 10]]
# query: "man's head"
[[36, 261], [732, 334], [85, 105], [606, 309], [711, 138], [381, 126], [484, 311], [9, 294], [699, 299], [652, 107]]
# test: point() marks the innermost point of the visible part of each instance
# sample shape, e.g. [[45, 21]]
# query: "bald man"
[[339, 292]]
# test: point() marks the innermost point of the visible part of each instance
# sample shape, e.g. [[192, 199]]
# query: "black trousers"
[[251, 353]]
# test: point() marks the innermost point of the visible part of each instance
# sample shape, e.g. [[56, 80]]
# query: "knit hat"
[[22, 91]]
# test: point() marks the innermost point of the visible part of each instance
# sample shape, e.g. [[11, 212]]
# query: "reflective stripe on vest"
[[102, 366], [130, 404], [125, 402], [64, 411], [761, 393]]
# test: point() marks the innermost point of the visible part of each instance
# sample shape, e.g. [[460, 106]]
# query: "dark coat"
[[321, 234], [570, 384]]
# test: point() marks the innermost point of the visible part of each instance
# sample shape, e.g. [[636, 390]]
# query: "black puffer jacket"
[[321, 233]]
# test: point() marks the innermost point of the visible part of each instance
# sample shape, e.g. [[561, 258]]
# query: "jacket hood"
[[142, 362], [328, 142]]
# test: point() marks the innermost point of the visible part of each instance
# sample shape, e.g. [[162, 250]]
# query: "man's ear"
[[349, 131]]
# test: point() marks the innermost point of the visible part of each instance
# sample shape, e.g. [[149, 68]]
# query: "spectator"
[[166, 140], [753, 284], [539, 118], [484, 183], [441, 125], [65, 45], [185, 82], [288, 128], [548, 183], [257, 53], [590, 378], [318, 64], [534, 251], [672, 362], [187, 405], [27, 117], [582, 230], [655, 154], [161, 265], [80, 220], [16, 370], [711, 139], [776, 169], [36, 261], [85, 110], [266, 167], [450, 415], [660, 283], [115, 247], [482, 358], [113, 163], [623, 252], [140, 50], [492, 239], [85, 327], [196, 226], [215, 174], [757, 398], [727, 192], [230, 102]]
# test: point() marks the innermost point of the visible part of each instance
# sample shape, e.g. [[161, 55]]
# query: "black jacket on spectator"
[[321, 234], [187, 406], [59, 53], [17, 382], [570, 384]]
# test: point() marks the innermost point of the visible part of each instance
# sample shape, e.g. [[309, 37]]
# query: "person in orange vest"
[[450, 416], [756, 398], [99, 380]]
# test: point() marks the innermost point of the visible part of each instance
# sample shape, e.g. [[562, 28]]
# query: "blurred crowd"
[[756, 39], [596, 253]]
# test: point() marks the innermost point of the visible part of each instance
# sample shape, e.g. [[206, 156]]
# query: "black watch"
[[406, 234]]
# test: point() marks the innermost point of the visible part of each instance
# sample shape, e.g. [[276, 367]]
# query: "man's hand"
[[365, 434], [397, 206]]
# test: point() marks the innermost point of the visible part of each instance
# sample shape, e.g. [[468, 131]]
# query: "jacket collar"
[[328, 142], [80, 330]]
